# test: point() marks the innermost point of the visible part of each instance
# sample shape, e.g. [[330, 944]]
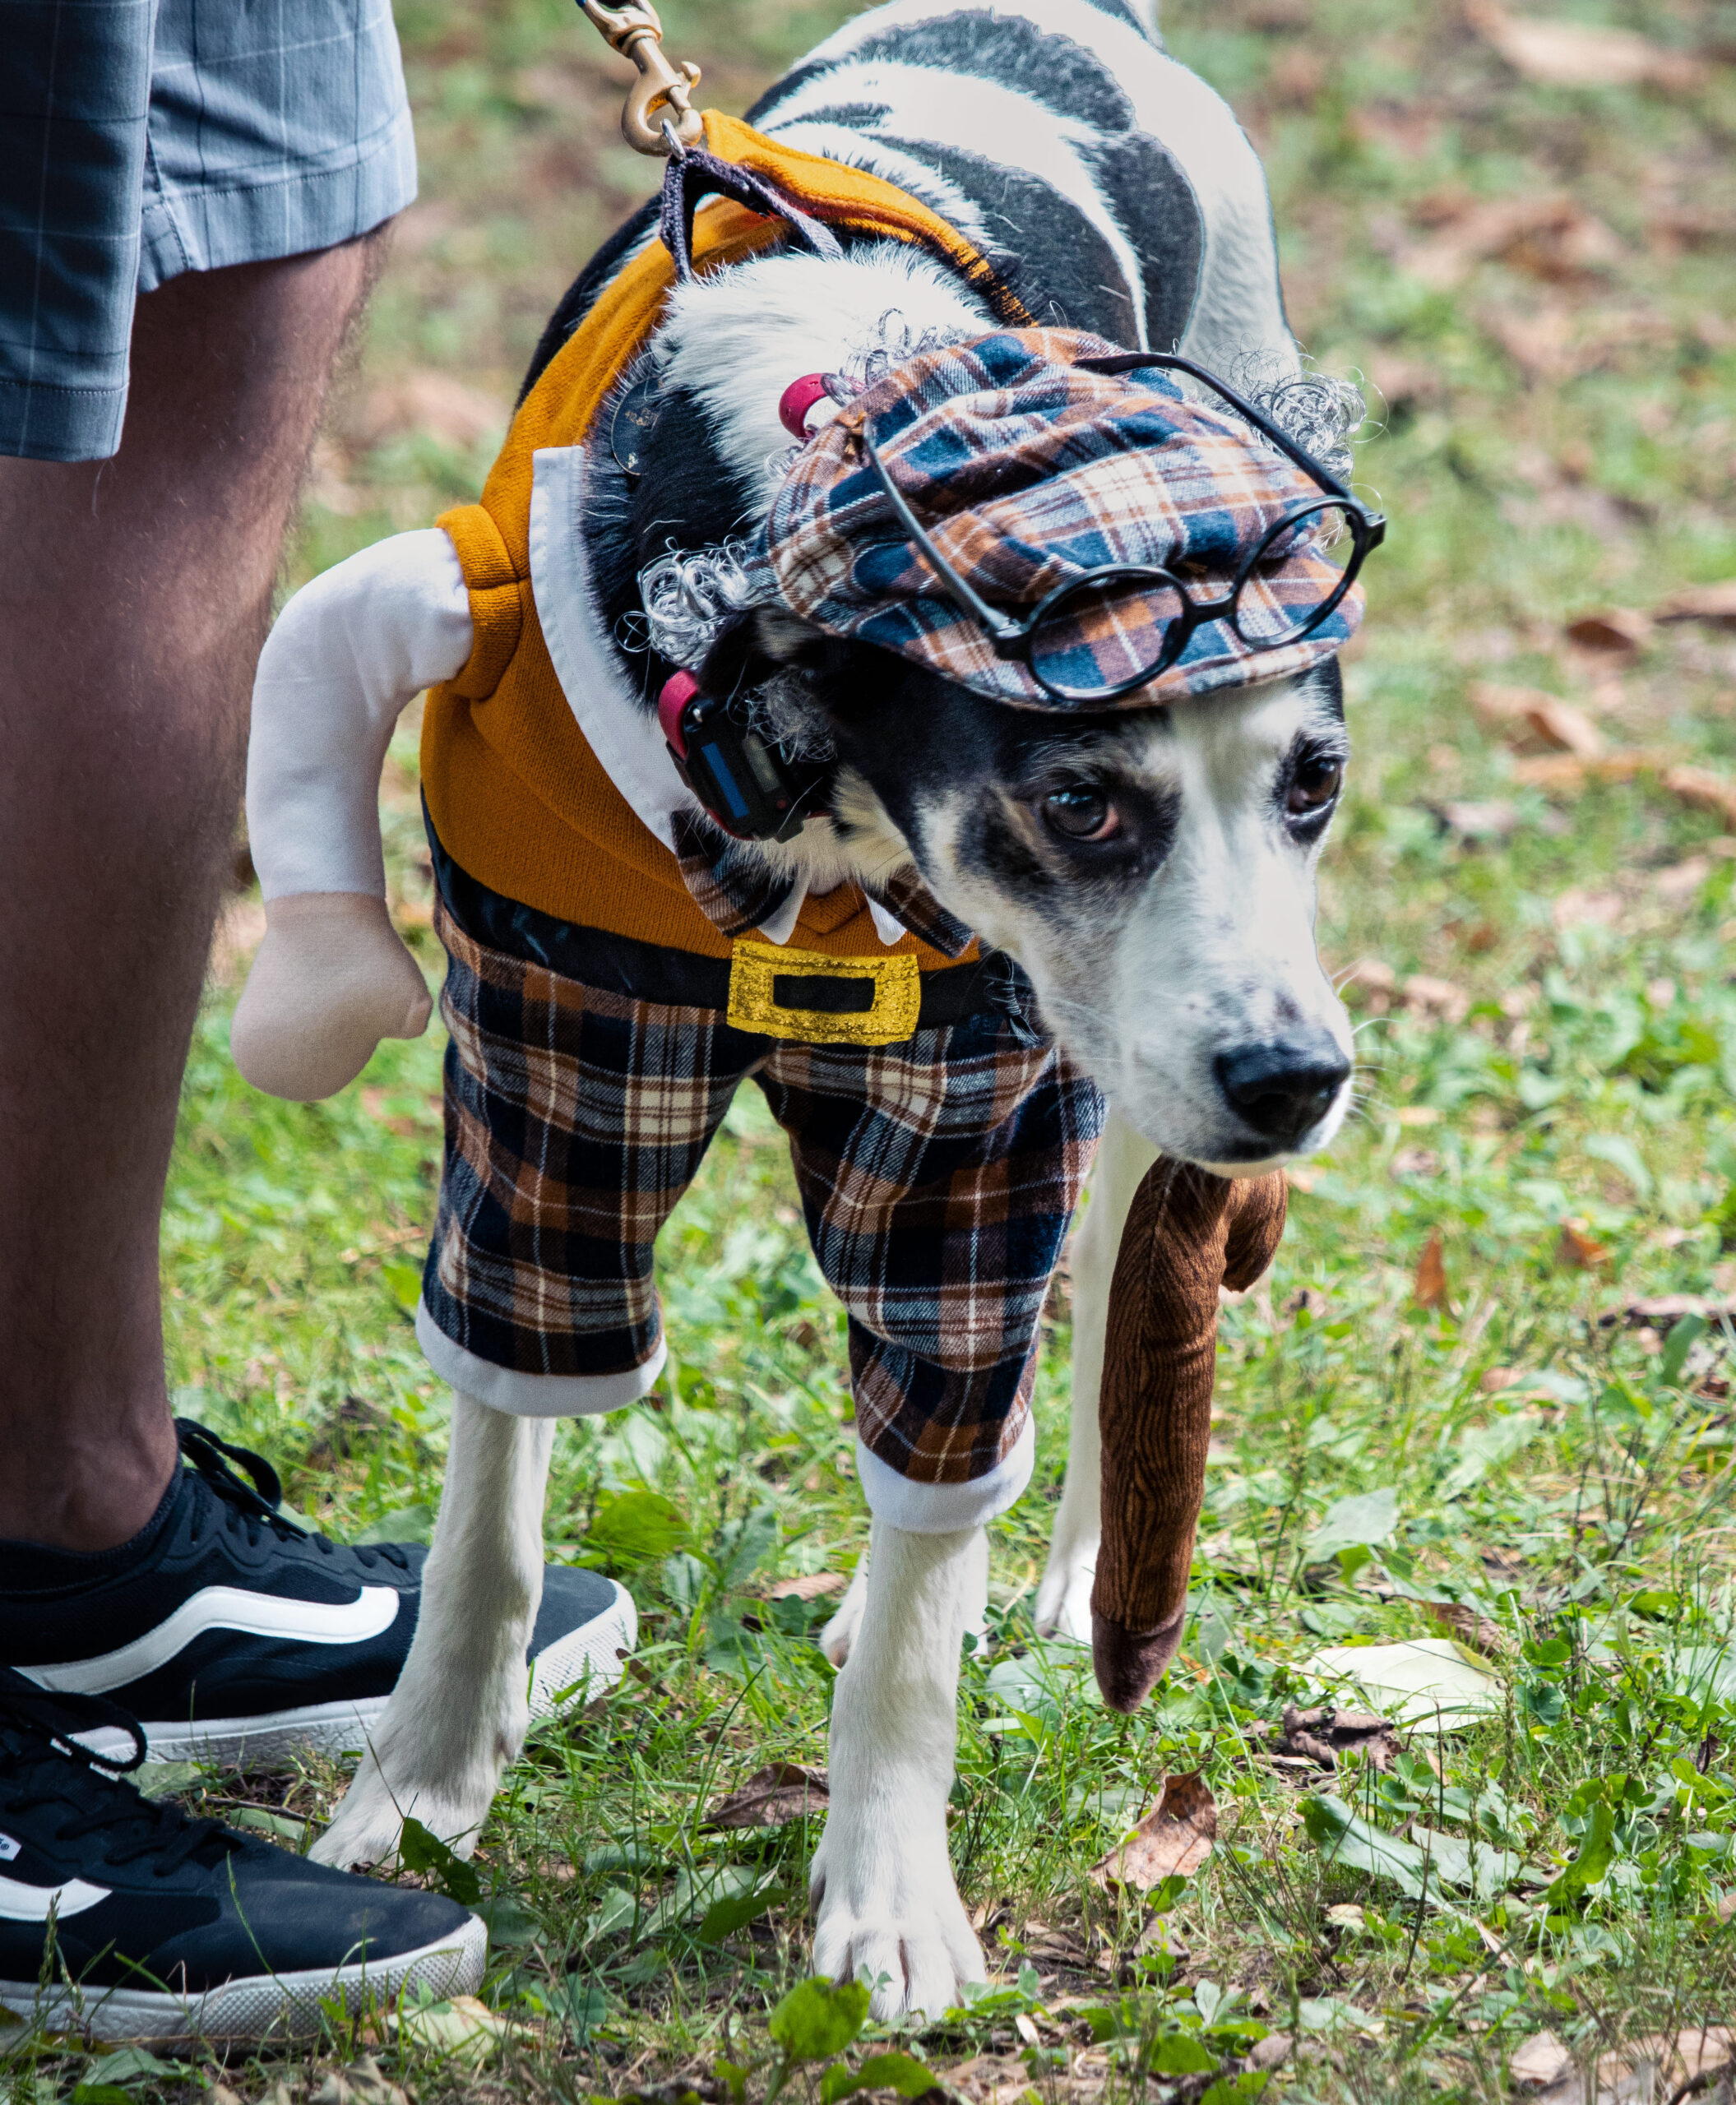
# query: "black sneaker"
[[124, 1919], [238, 1637]]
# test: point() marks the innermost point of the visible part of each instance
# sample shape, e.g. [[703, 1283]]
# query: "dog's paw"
[[370, 1819], [894, 1920], [839, 1635], [1064, 1598]]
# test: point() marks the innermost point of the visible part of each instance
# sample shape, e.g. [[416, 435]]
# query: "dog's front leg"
[[461, 1709], [1064, 1598], [882, 1881]]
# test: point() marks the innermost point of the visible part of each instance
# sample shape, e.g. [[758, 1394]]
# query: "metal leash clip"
[[635, 31]]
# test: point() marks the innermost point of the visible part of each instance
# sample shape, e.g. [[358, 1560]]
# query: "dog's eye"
[[1317, 781], [1080, 814]]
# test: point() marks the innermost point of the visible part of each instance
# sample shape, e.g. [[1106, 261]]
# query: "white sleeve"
[[350, 652]]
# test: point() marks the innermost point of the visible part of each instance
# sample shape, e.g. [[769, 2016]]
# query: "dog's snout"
[[1284, 1086]]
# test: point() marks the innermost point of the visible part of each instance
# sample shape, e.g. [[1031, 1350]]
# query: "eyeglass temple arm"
[[957, 590], [1172, 361]]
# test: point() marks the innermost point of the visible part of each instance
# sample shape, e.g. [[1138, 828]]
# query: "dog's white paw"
[[375, 1807], [839, 1635], [889, 1915], [1064, 1598]]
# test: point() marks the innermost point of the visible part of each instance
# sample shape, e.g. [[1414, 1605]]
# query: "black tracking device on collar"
[[754, 787]]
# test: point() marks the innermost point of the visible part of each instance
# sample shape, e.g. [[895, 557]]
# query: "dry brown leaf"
[[1466, 1625], [1540, 2061], [1578, 1249], [1542, 345], [813, 1586], [780, 1791], [1563, 772], [1704, 790], [1619, 629], [1560, 54], [1425, 995], [1574, 909], [1676, 883], [1715, 604], [1429, 1288], [1657, 1312], [1531, 717], [1552, 236], [1172, 1841], [1476, 822]]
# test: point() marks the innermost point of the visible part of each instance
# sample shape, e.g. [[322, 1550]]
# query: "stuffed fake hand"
[[331, 979], [1188, 1234]]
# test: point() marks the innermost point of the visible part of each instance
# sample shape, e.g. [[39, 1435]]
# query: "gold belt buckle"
[[889, 1015]]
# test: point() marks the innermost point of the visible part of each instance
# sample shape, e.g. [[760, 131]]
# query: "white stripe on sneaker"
[[34, 1903], [375, 1608]]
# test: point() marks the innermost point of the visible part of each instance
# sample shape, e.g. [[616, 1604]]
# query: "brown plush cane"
[[1188, 1233]]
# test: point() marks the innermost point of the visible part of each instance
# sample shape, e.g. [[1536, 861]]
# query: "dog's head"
[[1152, 869]]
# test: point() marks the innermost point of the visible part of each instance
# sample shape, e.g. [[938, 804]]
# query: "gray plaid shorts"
[[143, 138]]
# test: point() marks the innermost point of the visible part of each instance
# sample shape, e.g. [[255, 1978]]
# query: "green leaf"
[[508, 1920], [636, 1527], [1685, 1333], [734, 1910], [1368, 1518], [1596, 1854], [419, 1850], [403, 1282], [818, 2019], [1184, 2053], [403, 1523], [1344, 1838], [903, 2072]]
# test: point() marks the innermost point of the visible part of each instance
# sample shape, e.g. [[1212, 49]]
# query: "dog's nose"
[[1283, 1087]]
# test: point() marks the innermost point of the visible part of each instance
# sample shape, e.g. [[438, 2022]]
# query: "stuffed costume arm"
[[347, 655]]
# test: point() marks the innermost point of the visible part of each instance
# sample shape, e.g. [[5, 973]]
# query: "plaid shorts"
[[143, 138], [937, 1176]]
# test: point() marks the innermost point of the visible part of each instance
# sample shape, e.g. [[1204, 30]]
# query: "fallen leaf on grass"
[[776, 1794], [1531, 716], [1429, 1288], [1540, 2062], [1477, 1631], [1574, 909], [1172, 1841], [813, 1586], [1619, 629], [1659, 1311], [1552, 236], [1558, 54], [1425, 995], [1705, 791], [1414, 1682], [1473, 823], [1577, 1249], [1566, 774], [1669, 2063], [464, 2030], [1715, 604]]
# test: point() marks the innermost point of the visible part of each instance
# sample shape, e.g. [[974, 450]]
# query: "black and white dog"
[[1152, 871]]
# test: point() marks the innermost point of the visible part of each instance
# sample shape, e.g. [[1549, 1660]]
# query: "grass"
[[1521, 1455]]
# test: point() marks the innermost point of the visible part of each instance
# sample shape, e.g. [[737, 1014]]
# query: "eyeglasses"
[[1047, 642]]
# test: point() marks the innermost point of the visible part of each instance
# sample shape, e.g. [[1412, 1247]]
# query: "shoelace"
[[254, 1506], [40, 1754]]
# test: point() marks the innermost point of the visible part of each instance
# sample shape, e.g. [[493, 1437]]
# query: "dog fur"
[[1177, 938]]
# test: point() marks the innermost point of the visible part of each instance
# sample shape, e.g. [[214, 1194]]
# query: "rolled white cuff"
[[944, 1509], [534, 1396]]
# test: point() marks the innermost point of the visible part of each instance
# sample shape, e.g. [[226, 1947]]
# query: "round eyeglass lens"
[[1104, 638], [1299, 575]]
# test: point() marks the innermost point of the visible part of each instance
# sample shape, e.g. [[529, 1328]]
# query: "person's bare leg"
[[134, 597]]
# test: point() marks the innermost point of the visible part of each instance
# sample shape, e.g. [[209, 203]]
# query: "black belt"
[[780, 1003]]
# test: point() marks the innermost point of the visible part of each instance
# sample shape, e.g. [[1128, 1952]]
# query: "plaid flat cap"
[[1029, 471]]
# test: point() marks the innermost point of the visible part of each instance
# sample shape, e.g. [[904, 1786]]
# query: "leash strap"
[[690, 175]]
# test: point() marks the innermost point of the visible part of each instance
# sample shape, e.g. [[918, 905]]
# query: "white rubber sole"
[[270, 2007], [569, 1671]]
